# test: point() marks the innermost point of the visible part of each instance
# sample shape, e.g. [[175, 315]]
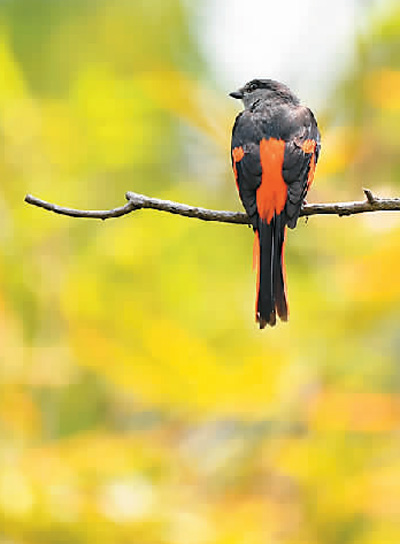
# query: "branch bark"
[[137, 202]]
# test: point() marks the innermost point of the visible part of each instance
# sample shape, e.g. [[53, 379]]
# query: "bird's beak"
[[237, 94]]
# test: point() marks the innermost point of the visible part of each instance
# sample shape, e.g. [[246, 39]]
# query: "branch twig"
[[137, 201], [71, 212]]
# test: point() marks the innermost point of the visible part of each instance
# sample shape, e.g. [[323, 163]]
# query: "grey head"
[[265, 90]]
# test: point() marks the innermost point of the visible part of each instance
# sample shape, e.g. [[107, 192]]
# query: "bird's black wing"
[[301, 156], [246, 135]]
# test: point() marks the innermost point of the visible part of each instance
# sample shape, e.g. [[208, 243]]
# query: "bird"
[[275, 148]]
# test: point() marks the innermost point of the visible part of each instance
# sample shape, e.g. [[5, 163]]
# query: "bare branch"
[[94, 214], [137, 201], [142, 201]]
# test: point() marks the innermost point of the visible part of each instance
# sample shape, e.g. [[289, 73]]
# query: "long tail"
[[271, 290]]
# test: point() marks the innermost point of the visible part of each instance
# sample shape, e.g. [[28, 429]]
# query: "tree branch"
[[137, 202]]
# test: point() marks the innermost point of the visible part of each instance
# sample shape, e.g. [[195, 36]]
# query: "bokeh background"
[[138, 401]]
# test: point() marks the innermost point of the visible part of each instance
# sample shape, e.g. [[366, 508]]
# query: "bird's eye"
[[252, 87]]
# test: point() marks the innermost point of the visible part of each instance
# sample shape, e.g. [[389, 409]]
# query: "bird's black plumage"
[[275, 147]]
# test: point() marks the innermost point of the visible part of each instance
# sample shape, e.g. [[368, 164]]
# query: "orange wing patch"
[[311, 172], [272, 193], [309, 147], [237, 156]]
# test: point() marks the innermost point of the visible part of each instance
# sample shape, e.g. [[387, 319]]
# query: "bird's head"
[[266, 90]]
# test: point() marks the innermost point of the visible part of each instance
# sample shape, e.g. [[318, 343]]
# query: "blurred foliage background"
[[138, 401]]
